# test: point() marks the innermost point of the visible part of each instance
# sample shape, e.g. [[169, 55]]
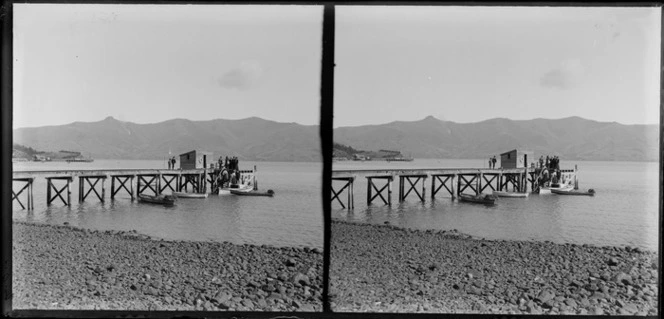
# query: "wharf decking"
[[154, 181], [476, 180]]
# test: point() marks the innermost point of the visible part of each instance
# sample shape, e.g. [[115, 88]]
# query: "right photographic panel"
[[496, 160]]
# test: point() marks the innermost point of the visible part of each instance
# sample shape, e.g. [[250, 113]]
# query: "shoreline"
[[65, 267], [384, 268], [456, 233]]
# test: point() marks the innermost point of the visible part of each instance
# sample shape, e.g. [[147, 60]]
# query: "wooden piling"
[[458, 190], [348, 184], [80, 189], [112, 187], [424, 188], [389, 192], [27, 187], [576, 178], [48, 192], [412, 187], [82, 179], [58, 192], [253, 182], [371, 186], [31, 196]]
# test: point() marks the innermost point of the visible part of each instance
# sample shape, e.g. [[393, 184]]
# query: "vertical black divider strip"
[[661, 153], [326, 115], [6, 144]]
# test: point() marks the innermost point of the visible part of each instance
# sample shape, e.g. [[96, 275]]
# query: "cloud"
[[242, 77], [568, 74]]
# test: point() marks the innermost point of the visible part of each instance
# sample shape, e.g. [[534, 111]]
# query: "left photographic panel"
[[167, 157]]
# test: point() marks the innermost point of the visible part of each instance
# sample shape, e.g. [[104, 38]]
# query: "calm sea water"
[[293, 217], [624, 210]]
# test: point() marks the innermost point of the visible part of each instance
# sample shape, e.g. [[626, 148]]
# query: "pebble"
[[74, 269], [407, 269]]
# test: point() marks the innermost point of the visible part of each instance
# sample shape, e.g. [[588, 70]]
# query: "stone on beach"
[[406, 270], [62, 267]]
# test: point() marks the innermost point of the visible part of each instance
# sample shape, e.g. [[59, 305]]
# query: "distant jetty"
[[85, 160], [399, 159]]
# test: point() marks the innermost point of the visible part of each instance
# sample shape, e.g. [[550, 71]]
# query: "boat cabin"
[[516, 159], [195, 159]]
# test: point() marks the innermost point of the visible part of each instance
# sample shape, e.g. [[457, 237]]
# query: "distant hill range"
[[249, 139], [569, 138], [257, 139]]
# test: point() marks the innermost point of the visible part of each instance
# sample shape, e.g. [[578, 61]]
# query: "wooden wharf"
[[148, 181], [453, 181]]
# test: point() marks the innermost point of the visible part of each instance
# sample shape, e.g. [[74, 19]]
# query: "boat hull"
[[550, 190], [269, 193], [227, 190], [510, 194], [189, 195], [477, 199], [157, 200], [573, 192]]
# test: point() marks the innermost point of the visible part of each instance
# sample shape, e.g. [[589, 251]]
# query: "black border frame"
[[326, 136]]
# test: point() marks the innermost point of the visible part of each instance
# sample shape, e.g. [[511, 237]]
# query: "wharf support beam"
[[26, 187], [193, 179], [443, 179], [167, 179], [143, 183], [348, 184], [82, 195], [371, 186], [463, 183], [58, 192], [403, 192], [122, 180]]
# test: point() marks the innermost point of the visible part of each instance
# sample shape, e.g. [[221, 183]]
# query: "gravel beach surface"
[[62, 267], [382, 268]]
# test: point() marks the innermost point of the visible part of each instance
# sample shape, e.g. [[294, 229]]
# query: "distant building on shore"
[[195, 159], [516, 159]]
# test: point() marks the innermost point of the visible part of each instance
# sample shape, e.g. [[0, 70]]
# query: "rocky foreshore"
[[62, 267], [382, 268]]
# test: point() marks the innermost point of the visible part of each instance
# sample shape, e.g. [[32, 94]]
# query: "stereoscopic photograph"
[[496, 160], [167, 157]]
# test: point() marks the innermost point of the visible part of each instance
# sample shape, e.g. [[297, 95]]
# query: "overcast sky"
[[468, 64], [150, 63]]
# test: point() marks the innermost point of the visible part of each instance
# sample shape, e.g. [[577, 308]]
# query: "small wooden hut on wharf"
[[195, 159], [516, 159]]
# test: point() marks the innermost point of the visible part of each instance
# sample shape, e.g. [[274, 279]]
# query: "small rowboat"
[[479, 199], [189, 195], [549, 190], [510, 194], [269, 193], [166, 200], [590, 192], [240, 188]]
